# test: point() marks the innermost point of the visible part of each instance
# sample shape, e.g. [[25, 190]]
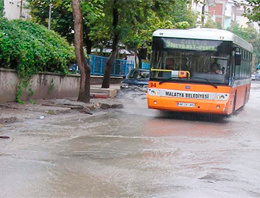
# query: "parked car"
[[253, 76], [74, 69], [136, 78], [257, 74]]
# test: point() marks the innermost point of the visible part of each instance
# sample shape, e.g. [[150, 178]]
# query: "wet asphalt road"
[[134, 152]]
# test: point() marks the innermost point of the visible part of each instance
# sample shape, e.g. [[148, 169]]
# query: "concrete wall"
[[47, 86], [8, 84], [44, 86]]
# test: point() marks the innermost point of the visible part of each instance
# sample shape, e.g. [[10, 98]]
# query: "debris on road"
[[11, 112], [107, 104], [8, 120], [4, 137]]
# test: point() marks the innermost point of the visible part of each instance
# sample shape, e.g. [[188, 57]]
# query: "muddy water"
[[133, 152]]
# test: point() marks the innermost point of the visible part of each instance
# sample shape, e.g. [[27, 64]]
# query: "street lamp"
[[21, 9], [49, 22]]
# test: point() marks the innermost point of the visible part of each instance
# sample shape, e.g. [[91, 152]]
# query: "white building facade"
[[15, 9], [201, 7], [224, 12]]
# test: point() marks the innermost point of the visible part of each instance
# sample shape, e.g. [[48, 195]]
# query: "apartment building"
[[202, 9], [15, 9], [224, 12]]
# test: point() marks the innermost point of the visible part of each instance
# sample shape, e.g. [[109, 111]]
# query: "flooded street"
[[133, 152]]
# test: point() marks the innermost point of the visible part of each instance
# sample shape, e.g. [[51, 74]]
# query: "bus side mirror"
[[237, 57]]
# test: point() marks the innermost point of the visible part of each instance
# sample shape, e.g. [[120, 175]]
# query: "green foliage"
[[254, 13], [137, 18], [210, 24], [30, 48], [183, 25], [250, 35], [182, 13], [1, 8], [32, 101], [51, 88], [62, 16]]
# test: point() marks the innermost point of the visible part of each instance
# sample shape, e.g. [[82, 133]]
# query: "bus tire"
[[245, 99]]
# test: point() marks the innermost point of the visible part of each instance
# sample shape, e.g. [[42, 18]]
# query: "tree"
[[210, 24], [250, 35], [84, 91], [30, 48], [254, 12], [116, 34], [182, 12], [138, 19], [1, 8], [62, 17]]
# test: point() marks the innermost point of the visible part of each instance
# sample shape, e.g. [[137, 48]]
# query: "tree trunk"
[[139, 62], [203, 13], [87, 41], [84, 91], [110, 61], [136, 56], [88, 45]]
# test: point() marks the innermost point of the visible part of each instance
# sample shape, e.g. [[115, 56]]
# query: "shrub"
[[30, 48], [1, 8]]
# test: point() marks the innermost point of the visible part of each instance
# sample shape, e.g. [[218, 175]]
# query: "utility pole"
[[235, 15], [21, 9], [203, 13], [49, 22]]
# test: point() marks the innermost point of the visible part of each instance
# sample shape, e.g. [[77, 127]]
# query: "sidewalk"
[[101, 99], [97, 92]]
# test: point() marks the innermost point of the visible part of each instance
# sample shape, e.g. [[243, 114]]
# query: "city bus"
[[199, 70]]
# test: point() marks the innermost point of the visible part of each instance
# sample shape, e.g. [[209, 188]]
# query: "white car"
[[252, 76], [257, 75]]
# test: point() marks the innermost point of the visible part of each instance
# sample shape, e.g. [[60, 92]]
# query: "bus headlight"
[[222, 97], [153, 92]]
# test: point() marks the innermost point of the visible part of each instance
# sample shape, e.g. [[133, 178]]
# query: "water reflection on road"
[[134, 152]]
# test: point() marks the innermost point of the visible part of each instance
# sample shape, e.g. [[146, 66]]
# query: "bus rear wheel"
[[245, 99], [234, 104]]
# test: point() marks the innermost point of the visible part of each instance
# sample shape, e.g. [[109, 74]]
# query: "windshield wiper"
[[211, 83], [168, 80]]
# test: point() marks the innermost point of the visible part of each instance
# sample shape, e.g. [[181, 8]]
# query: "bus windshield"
[[193, 63]]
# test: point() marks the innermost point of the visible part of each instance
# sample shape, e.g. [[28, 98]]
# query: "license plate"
[[184, 104]]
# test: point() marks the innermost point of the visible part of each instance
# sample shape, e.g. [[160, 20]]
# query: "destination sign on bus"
[[191, 44]]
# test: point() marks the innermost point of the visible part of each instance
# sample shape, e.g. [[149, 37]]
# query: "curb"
[[105, 96]]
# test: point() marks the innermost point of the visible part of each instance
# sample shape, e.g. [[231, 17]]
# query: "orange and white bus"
[[199, 70]]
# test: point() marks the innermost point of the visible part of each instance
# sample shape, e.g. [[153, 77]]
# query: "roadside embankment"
[[39, 109]]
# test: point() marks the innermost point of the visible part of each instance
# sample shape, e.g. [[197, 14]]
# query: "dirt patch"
[[8, 120], [11, 112]]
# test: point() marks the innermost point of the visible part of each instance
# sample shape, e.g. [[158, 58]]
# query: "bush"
[[1, 8], [26, 46], [30, 48]]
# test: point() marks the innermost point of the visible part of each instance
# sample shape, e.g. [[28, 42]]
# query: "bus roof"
[[204, 33]]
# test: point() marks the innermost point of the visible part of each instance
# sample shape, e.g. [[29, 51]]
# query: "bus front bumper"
[[187, 105]]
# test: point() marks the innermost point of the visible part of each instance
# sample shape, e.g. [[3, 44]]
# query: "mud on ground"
[[12, 112]]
